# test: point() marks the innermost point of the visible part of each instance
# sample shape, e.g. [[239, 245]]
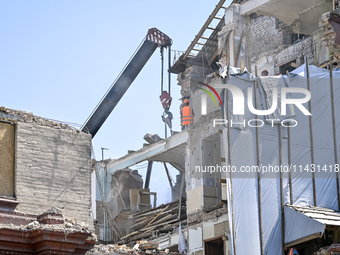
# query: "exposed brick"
[[265, 35], [53, 168]]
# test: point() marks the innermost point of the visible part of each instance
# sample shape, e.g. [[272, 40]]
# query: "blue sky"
[[58, 58]]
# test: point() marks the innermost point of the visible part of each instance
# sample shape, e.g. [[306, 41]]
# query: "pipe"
[[311, 130]]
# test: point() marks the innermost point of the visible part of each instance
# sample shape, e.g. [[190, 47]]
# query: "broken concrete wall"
[[263, 42], [53, 168], [272, 46], [144, 199], [204, 150], [118, 197], [203, 191], [7, 150], [249, 38], [121, 183]]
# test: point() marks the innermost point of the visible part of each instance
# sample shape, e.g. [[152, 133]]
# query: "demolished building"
[[169, 151], [261, 46]]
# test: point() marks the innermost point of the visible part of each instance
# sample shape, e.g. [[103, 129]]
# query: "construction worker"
[[187, 114], [293, 251]]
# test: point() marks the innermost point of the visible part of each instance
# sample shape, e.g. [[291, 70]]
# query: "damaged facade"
[[109, 225], [45, 186], [265, 38], [257, 44]]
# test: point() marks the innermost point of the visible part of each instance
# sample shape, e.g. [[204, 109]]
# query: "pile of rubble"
[[141, 248], [48, 232], [154, 222], [334, 249], [65, 227], [51, 219], [28, 117]]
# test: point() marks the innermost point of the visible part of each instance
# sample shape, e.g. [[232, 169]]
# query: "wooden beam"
[[206, 38], [179, 208], [156, 216], [304, 239]]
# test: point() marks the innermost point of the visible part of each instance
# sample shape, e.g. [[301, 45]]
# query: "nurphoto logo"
[[239, 102]]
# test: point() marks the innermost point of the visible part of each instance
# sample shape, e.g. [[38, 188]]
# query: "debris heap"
[[141, 248], [47, 233], [334, 249], [151, 223]]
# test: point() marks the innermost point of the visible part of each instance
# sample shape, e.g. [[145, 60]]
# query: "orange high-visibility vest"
[[187, 116], [293, 251]]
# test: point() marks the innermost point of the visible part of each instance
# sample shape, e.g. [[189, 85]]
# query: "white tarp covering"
[[243, 150]]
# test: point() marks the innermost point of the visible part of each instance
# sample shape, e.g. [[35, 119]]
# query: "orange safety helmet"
[[186, 101]]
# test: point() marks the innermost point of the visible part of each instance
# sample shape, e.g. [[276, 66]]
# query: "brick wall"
[[265, 35], [191, 74], [53, 168]]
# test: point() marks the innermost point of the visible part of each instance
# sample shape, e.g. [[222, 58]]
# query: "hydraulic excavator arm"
[[153, 39]]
